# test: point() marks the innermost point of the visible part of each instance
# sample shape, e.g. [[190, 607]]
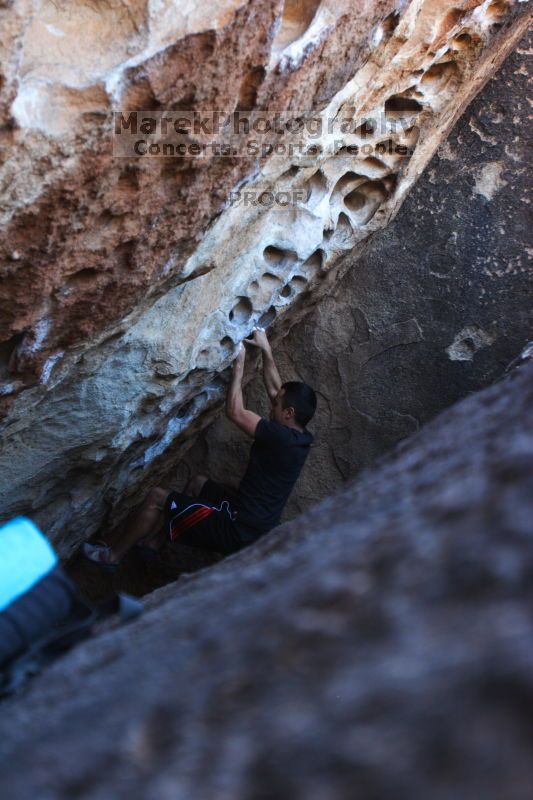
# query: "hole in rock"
[[390, 23], [345, 183], [286, 291], [290, 173], [196, 273], [276, 257], [355, 201], [352, 150], [401, 107], [249, 89], [497, 9], [365, 201], [203, 359], [267, 317], [410, 137], [389, 183], [298, 283], [149, 405], [373, 165], [264, 289], [343, 235], [462, 41], [273, 255], [317, 188], [439, 74], [82, 279], [391, 148], [227, 343], [269, 281], [366, 129], [315, 261], [241, 311], [451, 19], [8, 354], [124, 255], [297, 17]]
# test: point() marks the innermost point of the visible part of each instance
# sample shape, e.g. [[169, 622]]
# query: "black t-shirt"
[[276, 459]]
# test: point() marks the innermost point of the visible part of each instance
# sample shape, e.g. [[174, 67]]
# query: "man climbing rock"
[[218, 518]]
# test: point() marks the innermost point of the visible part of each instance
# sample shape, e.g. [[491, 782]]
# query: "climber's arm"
[[271, 377], [235, 410]]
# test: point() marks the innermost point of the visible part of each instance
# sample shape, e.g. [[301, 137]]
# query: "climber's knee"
[[156, 497], [195, 485]]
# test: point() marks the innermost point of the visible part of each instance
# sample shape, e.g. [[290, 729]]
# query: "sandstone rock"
[[378, 646], [126, 373], [435, 308], [93, 232]]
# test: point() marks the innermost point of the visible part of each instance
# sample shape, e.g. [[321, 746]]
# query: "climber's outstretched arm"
[[271, 376], [235, 410]]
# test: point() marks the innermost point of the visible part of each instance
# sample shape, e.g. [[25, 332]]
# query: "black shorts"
[[205, 521]]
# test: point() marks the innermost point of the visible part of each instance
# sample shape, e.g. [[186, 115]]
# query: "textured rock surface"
[[381, 645], [435, 308], [85, 235]]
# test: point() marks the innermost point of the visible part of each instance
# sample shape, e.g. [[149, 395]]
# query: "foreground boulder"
[[378, 646]]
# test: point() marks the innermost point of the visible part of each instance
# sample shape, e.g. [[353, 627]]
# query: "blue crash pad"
[[26, 556]]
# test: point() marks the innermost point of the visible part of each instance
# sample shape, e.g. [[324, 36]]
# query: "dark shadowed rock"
[[379, 646]]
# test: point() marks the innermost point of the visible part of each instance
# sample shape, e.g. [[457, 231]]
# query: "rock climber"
[[215, 517]]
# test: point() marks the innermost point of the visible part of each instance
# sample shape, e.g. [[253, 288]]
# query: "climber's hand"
[[259, 339]]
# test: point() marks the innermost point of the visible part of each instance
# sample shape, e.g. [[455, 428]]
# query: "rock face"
[[114, 345], [434, 308], [86, 235], [378, 646]]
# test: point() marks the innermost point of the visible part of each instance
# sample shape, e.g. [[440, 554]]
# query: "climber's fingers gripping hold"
[[259, 339]]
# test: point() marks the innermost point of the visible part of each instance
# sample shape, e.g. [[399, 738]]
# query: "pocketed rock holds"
[[378, 646]]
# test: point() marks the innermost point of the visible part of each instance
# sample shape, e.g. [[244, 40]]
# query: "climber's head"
[[294, 404]]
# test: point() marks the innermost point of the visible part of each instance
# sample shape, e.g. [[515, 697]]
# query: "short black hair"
[[302, 398]]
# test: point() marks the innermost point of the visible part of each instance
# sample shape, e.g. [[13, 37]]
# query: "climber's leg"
[[195, 485], [141, 523]]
